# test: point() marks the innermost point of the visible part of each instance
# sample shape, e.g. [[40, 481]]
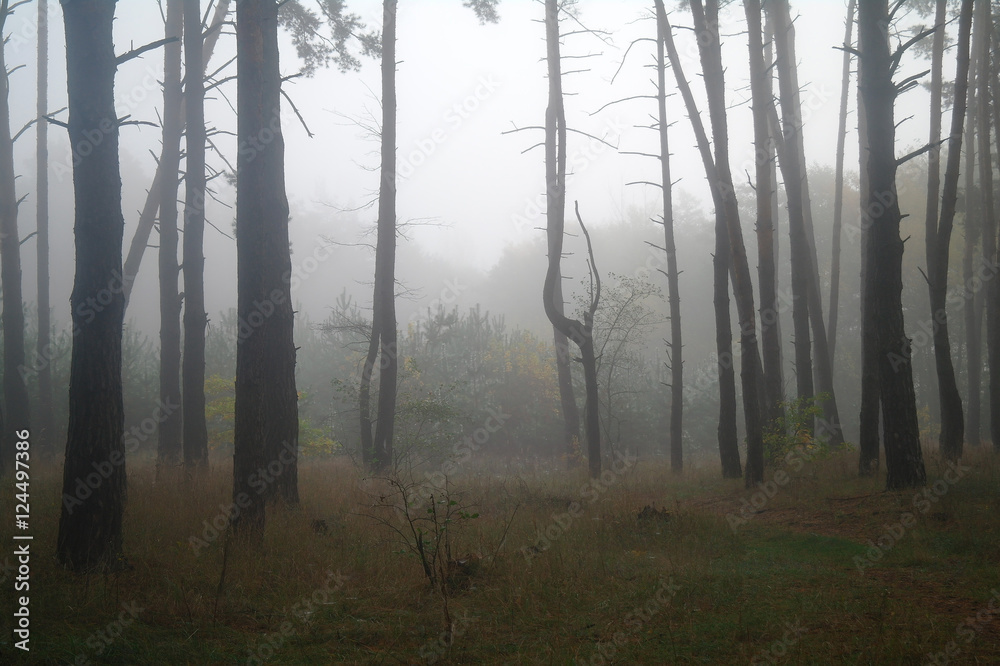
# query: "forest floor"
[[545, 567]]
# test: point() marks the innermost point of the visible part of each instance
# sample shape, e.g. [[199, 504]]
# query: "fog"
[[471, 192]]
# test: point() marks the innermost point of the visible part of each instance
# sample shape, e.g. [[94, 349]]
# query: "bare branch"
[[135, 53]]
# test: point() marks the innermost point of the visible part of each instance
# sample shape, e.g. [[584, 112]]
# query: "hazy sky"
[[460, 85]]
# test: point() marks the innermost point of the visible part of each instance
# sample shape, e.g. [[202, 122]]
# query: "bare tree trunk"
[[364, 394], [838, 186], [555, 192], [15, 391], [972, 310], [147, 218], [168, 450], [729, 452], [939, 233], [266, 423], [90, 525], [767, 278], [195, 429], [706, 22], [772, 158], [934, 164], [869, 441], [385, 251], [805, 271], [904, 459], [675, 346], [989, 229], [993, 305], [43, 349], [564, 376]]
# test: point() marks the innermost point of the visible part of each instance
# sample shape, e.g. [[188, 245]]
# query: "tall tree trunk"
[[147, 217], [168, 452], [15, 390], [767, 278], [972, 311], [993, 306], [838, 185], [729, 452], [555, 193], [772, 158], [706, 22], [564, 377], [989, 229], [266, 423], [934, 170], [43, 348], [385, 251], [869, 440], [805, 268], [676, 345], [90, 525], [904, 459], [939, 233], [195, 429]]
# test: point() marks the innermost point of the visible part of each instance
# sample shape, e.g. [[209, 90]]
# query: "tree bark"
[[838, 186], [729, 452], [385, 251], [676, 345], [706, 22], [195, 429], [972, 311], [43, 348], [869, 441], [767, 278], [581, 333], [15, 390], [805, 271], [168, 451], [989, 229], [266, 423], [147, 217], [904, 459], [90, 525], [993, 306], [939, 233]]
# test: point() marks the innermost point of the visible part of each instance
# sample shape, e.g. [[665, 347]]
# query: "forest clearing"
[[648, 570], [561, 331]]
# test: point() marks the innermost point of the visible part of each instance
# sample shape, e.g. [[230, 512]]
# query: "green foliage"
[[794, 431]]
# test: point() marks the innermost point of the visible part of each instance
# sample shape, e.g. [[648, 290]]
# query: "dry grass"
[[554, 569]]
